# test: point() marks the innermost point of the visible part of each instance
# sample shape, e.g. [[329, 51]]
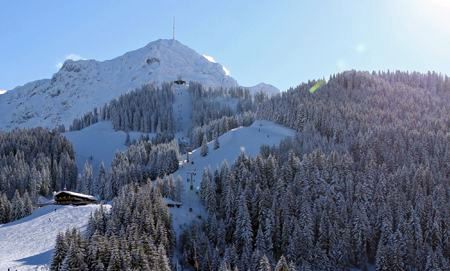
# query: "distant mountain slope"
[[263, 87], [81, 85]]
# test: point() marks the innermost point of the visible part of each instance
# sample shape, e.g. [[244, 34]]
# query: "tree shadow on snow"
[[43, 258]]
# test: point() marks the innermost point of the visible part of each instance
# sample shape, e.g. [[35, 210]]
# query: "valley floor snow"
[[28, 243]]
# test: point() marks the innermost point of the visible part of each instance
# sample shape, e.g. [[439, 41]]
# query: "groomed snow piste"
[[28, 243]]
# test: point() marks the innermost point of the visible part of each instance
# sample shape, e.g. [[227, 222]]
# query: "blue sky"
[[279, 42]]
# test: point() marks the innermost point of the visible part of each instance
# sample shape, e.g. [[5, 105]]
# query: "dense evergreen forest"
[[148, 110], [33, 162], [365, 182], [212, 104], [144, 160], [217, 111], [136, 234]]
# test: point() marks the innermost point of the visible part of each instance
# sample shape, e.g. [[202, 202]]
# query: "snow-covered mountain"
[[2, 91], [81, 85], [263, 87]]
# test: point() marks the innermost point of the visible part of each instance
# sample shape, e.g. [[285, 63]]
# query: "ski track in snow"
[[182, 111], [28, 243]]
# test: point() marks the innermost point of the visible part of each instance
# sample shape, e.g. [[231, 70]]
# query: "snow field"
[[27, 244], [99, 142]]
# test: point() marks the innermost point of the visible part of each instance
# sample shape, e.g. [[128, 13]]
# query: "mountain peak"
[[81, 85], [165, 42]]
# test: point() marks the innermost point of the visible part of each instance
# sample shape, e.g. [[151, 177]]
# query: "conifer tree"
[[264, 264], [243, 232], [282, 265], [163, 261], [216, 143], [204, 147], [61, 248]]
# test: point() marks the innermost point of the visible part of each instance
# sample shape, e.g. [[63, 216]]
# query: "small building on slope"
[[73, 198], [179, 82], [171, 203]]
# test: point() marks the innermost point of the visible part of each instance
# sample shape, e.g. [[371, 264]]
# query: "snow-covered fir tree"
[[147, 109], [136, 234], [33, 162], [204, 147], [363, 182], [216, 142]]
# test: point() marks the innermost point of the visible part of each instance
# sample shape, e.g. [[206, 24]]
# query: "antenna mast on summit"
[[173, 33]]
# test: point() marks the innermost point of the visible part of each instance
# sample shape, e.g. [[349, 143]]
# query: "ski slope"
[[182, 110], [28, 243], [247, 139], [98, 143]]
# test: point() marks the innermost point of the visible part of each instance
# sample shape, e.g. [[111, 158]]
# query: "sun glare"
[[433, 14], [440, 3]]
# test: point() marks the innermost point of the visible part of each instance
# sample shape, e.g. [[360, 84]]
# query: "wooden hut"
[[73, 198]]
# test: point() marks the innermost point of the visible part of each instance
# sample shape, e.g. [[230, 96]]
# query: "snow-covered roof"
[[75, 194], [42, 200]]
